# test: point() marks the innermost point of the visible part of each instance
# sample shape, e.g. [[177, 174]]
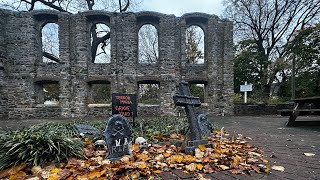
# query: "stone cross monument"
[[197, 129]]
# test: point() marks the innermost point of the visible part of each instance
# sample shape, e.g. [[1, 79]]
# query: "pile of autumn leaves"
[[232, 154]]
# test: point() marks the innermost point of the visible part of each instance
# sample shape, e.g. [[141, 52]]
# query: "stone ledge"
[[98, 105]]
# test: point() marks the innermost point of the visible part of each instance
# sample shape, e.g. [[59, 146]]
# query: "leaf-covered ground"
[[228, 153]]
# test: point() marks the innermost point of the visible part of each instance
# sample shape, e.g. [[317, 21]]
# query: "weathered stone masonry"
[[22, 68]]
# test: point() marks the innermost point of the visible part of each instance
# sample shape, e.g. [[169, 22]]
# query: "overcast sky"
[[179, 7]]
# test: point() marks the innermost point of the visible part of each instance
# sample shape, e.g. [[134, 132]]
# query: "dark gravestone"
[[117, 135], [196, 124], [204, 125]]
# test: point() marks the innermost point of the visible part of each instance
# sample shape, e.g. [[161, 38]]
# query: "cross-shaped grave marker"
[[189, 102]]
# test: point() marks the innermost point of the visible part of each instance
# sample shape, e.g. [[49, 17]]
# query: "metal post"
[[245, 93]]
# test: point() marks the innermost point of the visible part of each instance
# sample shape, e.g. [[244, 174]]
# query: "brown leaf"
[[12, 170], [64, 173], [235, 171]]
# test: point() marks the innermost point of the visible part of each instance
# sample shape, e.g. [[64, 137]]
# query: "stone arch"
[[195, 44], [148, 38], [48, 27], [197, 24], [100, 38]]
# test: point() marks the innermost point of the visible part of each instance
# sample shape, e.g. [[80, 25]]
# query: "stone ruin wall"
[[21, 63]]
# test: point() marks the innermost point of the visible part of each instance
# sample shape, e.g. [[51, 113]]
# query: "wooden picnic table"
[[304, 106]]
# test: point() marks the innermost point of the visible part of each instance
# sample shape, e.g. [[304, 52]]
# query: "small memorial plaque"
[[124, 104], [117, 135]]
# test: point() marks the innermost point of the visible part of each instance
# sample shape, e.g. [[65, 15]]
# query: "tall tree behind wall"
[[271, 23]]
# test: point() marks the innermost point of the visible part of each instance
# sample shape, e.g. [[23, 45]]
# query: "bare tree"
[[148, 44], [271, 23]]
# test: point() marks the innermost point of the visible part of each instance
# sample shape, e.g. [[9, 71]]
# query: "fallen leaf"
[[65, 173], [12, 170], [224, 167], [254, 154], [191, 167], [202, 147], [19, 175], [278, 168], [199, 166], [309, 154], [157, 171], [235, 171], [198, 153], [236, 160], [208, 169], [54, 177], [94, 174]]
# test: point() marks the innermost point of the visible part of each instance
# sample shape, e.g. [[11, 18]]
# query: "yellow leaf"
[[189, 158], [157, 171], [143, 165], [224, 167], [55, 170], [94, 174], [236, 160], [278, 168], [135, 148], [186, 172], [18, 175], [202, 147], [175, 158], [265, 161], [54, 177], [135, 175], [199, 166]]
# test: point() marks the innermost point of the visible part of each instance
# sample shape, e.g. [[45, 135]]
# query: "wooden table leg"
[[294, 115]]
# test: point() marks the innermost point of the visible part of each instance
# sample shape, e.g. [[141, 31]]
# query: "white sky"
[[180, 7]]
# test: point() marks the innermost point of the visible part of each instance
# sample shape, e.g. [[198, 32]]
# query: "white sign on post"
[[245, 88]]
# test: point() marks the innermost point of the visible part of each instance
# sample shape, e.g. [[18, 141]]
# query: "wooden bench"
[[302, 112], [303, 107]]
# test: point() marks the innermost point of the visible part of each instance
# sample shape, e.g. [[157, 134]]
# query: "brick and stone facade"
[[22, 68]]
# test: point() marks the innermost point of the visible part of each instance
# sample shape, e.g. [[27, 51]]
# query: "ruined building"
[[24, 73]]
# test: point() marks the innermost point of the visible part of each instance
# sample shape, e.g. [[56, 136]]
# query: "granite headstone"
[[117, 135]]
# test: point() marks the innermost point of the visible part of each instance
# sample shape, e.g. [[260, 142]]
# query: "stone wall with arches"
[[24, 73]]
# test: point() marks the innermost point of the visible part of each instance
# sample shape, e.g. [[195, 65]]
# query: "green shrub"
[[38, 144]]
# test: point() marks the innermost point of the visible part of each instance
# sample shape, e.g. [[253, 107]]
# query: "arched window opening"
[[100, 43], [47, 92], [198, 90], [148, 44], [50, 43], [149, 92], [99, 92], [195, 45]]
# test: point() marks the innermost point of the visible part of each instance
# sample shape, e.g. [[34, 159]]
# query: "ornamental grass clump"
[[38, 144]]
